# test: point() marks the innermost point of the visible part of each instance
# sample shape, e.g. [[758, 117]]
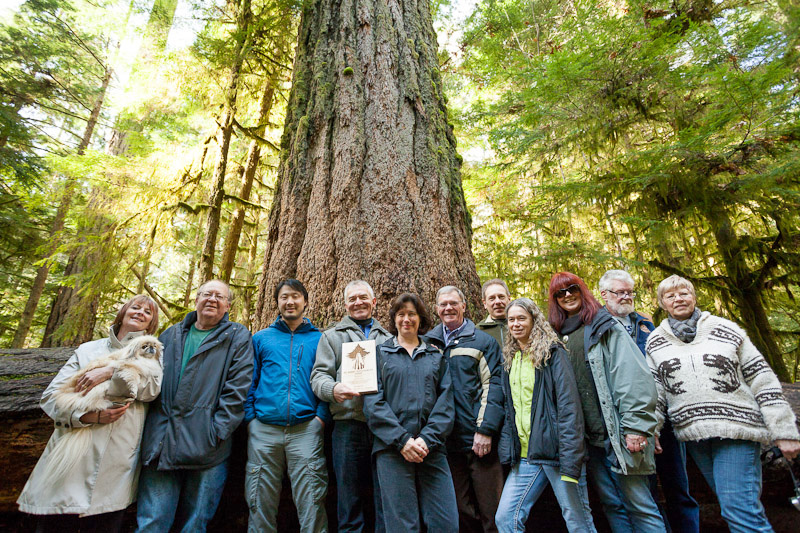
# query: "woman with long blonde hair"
[[542, 439]]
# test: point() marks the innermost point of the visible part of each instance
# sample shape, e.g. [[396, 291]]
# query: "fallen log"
[[24, 374]]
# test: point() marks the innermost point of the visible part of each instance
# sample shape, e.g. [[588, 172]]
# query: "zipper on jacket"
[[289, 389]]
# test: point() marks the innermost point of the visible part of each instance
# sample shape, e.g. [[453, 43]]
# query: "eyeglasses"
[[671, 296], [623, 294], [208, 295], [572, 289]]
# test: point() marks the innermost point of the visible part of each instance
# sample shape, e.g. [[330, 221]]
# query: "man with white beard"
[[682, 512]]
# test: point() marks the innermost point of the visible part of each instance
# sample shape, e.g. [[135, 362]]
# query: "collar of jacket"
[[347, 323], [638, 319], [392, 346], [116, 343], [491, 322], [191, 318], [304, 327], [437, 333], [603, 321]]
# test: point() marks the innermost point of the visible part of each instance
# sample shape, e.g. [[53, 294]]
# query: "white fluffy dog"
[[137, 363]]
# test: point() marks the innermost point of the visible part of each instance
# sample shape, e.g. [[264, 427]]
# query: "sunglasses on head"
[[572, 289]]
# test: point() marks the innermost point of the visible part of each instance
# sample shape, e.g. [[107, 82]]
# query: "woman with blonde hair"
[[542, 439], [723, 399], [95, 493]]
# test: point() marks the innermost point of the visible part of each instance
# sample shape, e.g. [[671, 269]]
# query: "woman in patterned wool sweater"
[[723, 400]]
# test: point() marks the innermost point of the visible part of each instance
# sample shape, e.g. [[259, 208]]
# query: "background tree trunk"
[[253, 157], [369, 182], [70, 187], [244, 23]]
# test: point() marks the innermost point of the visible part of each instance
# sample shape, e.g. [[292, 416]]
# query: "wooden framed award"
[[359, 366]]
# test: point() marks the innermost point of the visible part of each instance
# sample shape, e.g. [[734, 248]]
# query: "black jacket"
[[476, 370], [556, 437], [414, 398], [191, 423]]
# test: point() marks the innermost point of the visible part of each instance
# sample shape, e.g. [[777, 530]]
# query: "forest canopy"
[[140, 142]]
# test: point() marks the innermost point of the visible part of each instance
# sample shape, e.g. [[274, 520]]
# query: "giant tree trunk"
[[369, 184]]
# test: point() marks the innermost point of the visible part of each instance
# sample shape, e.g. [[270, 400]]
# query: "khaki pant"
[[297, 449]]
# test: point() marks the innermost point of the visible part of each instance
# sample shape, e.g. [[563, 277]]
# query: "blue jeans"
[[411, 490], [732, 469], [627, 502], [195, 493], [352, 463], [682, 512], [523, 487]]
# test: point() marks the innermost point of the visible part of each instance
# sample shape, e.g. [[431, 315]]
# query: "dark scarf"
[[685, 330], [571, 324], [365, 324]]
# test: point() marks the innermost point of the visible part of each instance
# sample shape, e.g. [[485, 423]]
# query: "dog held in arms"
[[134, 364]]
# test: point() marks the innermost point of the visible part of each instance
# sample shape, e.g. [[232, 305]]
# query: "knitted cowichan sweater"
[[718, 385]]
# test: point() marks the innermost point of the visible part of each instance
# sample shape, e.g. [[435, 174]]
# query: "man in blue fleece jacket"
[[285, 418]]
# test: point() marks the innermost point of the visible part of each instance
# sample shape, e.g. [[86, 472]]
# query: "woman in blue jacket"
[[542, 438], [411, 415]]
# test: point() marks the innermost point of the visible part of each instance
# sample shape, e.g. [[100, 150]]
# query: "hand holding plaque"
[[359, 366]]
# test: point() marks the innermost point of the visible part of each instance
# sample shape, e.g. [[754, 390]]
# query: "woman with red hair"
[[618, 396]]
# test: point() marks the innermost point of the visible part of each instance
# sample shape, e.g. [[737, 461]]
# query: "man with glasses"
[[682, 512], [476, 370], [208, 366]]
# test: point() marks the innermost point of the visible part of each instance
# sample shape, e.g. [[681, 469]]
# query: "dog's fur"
[[136, 363]]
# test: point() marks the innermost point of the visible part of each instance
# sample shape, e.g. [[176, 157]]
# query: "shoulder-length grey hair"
[[541, 338]]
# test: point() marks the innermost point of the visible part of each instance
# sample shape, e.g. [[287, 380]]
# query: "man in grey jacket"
[[352, 440], [208, 366]]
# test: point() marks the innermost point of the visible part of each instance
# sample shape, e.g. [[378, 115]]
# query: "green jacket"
[[327, 368], [626, 390], [497, 330]]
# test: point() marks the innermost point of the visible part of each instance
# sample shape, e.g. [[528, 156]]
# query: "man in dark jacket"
[[352, 439], [496, 297], [285, 419], [476, 371], [208, 364], [682, 512]]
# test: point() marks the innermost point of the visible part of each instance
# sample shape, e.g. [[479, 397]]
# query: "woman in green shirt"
[[542, 438]]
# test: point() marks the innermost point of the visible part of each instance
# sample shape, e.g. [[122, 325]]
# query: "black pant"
[[68, 523]]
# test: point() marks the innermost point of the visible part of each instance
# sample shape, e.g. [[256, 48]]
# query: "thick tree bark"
[[37, 288], [244, 23], [253, 157], [369, 182]]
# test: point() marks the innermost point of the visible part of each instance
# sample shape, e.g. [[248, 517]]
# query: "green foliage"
[[659, 136]]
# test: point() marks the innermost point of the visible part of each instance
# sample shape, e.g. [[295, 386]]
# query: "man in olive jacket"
[[208, 366], [352, 439], [496, 297]]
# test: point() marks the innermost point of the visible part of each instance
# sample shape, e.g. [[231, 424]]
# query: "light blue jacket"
[[281, 393]]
